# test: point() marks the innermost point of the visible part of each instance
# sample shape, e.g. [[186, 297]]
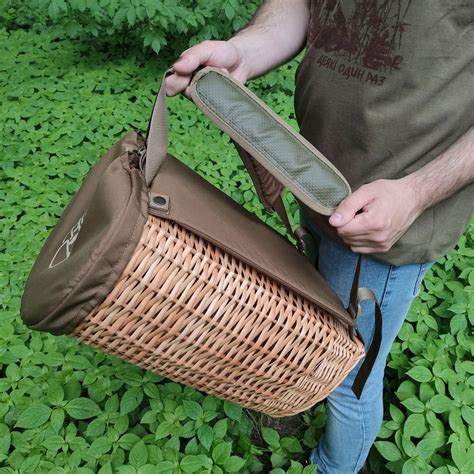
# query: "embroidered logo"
[[64, 251]]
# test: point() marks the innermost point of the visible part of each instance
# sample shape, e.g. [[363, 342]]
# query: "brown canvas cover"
[[91, 244], [98, 232]]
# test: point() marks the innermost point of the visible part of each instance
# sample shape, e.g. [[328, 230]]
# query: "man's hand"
[[276, 34], [221, 54], [375, 216]]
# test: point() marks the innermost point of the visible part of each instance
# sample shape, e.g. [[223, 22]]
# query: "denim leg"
[[352, 425]]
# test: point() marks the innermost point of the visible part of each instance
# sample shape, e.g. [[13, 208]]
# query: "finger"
[[359, 226], [368, 249], [348, 208], [362, 249], [176, 83], [192, 58]]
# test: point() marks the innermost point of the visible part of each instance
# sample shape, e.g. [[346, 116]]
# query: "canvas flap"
[[205, 210], [90, 245]]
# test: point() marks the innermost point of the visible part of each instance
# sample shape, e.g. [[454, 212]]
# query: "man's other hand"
[[374, 217], [221, 54]]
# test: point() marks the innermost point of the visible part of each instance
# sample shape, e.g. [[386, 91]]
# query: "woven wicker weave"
[[185, 309]]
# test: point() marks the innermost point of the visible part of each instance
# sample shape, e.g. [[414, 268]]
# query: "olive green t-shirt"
[[383, 89]]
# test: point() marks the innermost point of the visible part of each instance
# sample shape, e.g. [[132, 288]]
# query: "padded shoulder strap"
[[285, 154], [288, 156]]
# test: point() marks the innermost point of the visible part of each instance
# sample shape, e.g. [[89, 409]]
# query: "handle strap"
[[357, 296], [157, 134], [157, 148]]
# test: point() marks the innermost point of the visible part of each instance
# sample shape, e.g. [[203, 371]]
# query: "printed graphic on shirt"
[[359, 39]]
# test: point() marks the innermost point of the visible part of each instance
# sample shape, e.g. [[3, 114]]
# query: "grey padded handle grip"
[[290, 158]]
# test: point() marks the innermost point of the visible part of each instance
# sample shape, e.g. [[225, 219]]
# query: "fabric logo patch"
[[64, 251], [360, 39]]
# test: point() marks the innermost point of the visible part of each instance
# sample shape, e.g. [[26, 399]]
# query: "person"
[[386, 92]]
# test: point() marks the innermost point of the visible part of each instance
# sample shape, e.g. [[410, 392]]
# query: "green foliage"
[[429, 427], [65, 407], [150, 23]]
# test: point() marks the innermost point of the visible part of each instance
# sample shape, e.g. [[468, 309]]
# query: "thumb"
[[348, 208]]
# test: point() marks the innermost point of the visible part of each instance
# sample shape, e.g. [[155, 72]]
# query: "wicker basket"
[[151, 263], [185, 309]]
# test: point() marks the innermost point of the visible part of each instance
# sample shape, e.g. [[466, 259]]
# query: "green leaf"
[[440, 403], [220, 429], [458, 323], [410, 467], [192, 409], [406, 390], [430, 444], [396, 414], [229, 11], [271, 437], [30, 464], [34, 416], [414, 405], [156, 45], [234, 464], [57, 419], [55, 394], [291, 444], [131, 400], [467, 413], [163, 430], [54, 442], [232, 410], [164, 467], [205, 435], [459, 454], [193, 463], [138, 455], [131, 16], [106, 469], [95, 428], [221, 452], [420, 374], [415, 425], [278, 459], [82, 408], [128, 440], [99, 447], [389, 451], [147, 469]]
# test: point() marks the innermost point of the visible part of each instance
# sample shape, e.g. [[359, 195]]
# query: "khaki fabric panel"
[[91, 244], [287, 155], [205, 210]]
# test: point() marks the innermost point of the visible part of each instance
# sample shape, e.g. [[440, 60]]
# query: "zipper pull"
[[141, 157]]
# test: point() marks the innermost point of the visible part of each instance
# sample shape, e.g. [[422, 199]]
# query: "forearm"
[[275, 34], [445, 175]]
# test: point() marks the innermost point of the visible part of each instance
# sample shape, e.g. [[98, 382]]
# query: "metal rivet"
[[159, 200]]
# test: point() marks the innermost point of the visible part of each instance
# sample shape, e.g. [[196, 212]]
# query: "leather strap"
[[354, 308], [157, 134], [357, 296]]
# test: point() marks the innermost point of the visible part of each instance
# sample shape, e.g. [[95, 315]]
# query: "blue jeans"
[[352, 425]]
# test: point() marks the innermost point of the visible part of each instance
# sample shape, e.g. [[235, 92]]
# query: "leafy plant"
[[151, 23]]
